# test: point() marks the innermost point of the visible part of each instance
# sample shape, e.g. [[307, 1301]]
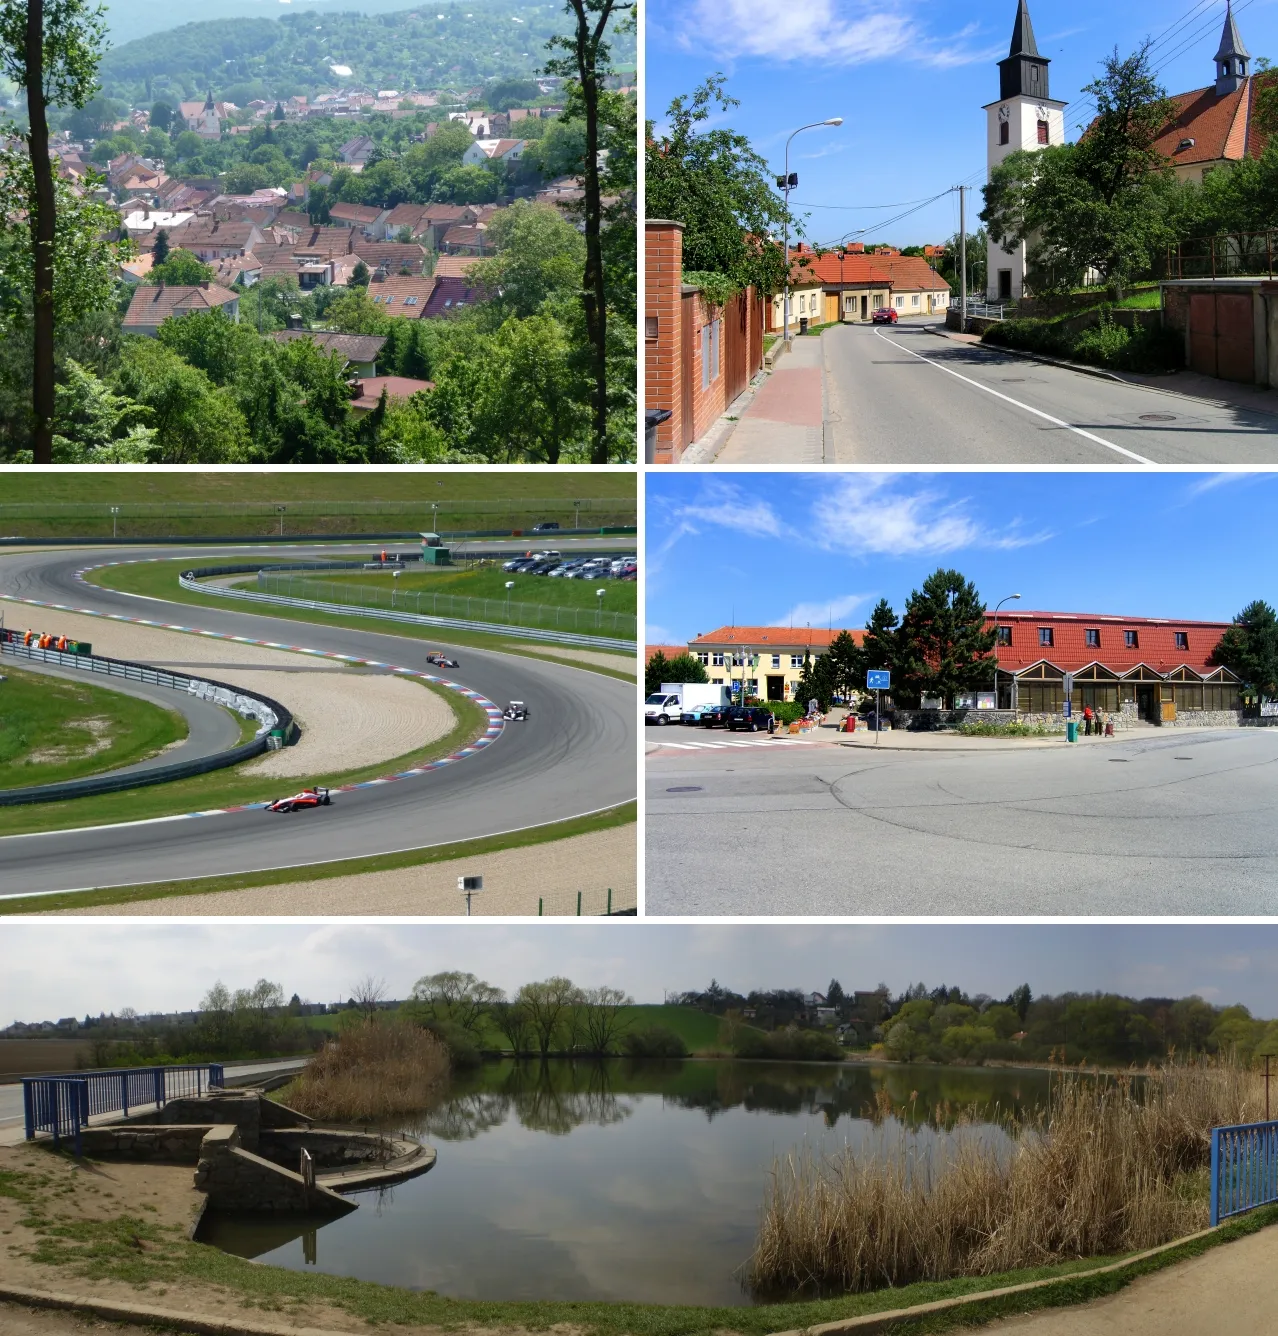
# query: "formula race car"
[[440, 660], [298, 801], [515, 710]]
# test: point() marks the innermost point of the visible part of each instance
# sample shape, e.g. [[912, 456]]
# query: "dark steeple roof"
[[1023, 43], [1231, 42], [1024, 72]]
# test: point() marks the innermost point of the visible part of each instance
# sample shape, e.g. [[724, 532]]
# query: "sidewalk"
[[783, 422]]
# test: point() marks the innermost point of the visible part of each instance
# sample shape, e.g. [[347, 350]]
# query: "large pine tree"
[[944, 646], [1250, 649]]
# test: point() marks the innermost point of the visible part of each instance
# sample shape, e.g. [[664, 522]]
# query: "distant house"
[[204, 118], [137, 223], [493, 150], [356, 151], [396, 387], [237, 271], [395, 257], [463, 240], [367, 217], [456, 266], [359, 350], [410, 216], [401, 295], [450, 295], [151, 307], [212, 239]]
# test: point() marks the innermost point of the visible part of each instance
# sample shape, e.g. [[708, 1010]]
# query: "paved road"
[[903, 395], [236, 1074], [574, 755], [1180, 822]]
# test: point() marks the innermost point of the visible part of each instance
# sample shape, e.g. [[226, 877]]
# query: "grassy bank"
[[75, 1249], [1109, 345], [159, 579], [440, 853], [1104, 1169], [53, 730], [230, 787]]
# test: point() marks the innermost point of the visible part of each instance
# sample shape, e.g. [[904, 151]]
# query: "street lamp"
[[1008, 599], [510, 584], [599, 593], [785, 183], [115, 510]]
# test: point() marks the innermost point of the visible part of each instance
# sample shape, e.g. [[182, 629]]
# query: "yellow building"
[[769, 657]]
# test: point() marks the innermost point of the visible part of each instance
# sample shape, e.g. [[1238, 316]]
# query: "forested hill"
[[438, 45]]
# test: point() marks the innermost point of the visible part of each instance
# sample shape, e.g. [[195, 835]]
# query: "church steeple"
[[1233, 59], [1024, 72]]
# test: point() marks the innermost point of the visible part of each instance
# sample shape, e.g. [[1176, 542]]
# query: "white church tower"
[[1024, 117]]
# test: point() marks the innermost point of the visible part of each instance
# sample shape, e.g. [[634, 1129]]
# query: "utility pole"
[[962, 190]]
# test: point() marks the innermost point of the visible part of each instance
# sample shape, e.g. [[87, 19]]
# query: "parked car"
[[545, 527], [884, 315], [715, 715], [696, 715], [750, 719], [518, 564]]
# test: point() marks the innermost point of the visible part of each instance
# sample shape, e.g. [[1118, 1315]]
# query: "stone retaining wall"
[[165, 1143], [1206, 719], [246, 1110], [330, 1149], [1055, 723], [235, 1179]]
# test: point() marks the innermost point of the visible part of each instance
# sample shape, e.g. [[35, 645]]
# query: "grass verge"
[[158, 579], [52, 729], [154, 1256], [624, 815], [232, 787]]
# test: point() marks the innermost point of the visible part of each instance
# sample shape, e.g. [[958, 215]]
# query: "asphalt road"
[[575, 754], [902, 395], [210, 727], [1177, 822]]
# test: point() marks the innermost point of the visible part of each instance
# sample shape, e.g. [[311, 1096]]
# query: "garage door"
[[1222, 338]]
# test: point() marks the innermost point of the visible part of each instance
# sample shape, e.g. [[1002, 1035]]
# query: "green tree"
[[846, 666], [51, 49], [94, 425], [360, 275], [547, 1004], [656, 671], [715, 184], [162, 116], [96, 118], [179, 268], [455, 996], [1106, 202], [539, 258], [880, 644], [160, 251], [943, 644], [1249, 649]]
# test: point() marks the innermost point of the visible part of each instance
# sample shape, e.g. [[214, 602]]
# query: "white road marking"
[[1016, 403]]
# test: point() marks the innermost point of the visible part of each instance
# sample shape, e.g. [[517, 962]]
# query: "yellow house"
[[769, 657]]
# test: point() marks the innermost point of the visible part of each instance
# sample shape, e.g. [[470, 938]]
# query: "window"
[[1004, 635], [914, 300], [1004, 133], [704, 659], [776, 661], [1045, 637], [1182, 640], [1093, 639], [410, 301], [718, 660], [1131, 639], [796, 660], [900, 303], [1044, 133]]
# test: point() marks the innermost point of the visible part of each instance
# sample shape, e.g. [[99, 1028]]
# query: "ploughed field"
[[53, 730]]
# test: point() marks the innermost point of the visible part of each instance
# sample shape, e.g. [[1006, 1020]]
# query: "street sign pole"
[[878, 717], [878, 680]]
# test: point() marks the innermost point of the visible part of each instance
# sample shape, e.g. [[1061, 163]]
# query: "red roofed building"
[[396, 387], [851, 286], [150, 307]]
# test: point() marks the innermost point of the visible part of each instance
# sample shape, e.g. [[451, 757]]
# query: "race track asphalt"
[[575, 754], [1175, 822]]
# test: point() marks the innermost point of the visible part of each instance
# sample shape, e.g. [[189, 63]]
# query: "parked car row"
[[735, 718], [556, 566]]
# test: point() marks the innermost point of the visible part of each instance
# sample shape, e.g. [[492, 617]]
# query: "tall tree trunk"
[[593, 295], [42, 232]]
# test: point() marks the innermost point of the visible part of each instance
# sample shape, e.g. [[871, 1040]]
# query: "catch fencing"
[[426, 603], [594, 903], [270, 716], [1240, 254], [62, 1105], [1244, 1169], [189, 582]]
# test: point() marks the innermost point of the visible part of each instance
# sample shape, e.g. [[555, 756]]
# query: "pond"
[[620, 1180]]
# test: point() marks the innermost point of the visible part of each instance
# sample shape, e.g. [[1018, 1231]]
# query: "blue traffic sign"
[[878, 680]]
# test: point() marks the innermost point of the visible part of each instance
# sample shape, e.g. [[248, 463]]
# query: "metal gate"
[[687, 332], [756, 336], [1222, 337], [736, 347]]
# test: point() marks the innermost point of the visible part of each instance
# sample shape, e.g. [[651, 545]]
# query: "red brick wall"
[[707, 403], [663, 249]]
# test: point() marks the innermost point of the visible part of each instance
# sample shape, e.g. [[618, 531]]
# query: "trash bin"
[[652, 419], [803, 324], [1071, 730], [849, 724]]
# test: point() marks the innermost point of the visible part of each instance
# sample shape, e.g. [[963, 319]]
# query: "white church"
[[1212, 127]]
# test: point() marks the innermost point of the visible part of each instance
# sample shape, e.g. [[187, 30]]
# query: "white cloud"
[[657, 635], [845, 31], [882, 514], [821, 614], [727, 506]]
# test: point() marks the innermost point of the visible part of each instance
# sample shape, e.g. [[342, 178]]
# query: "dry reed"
[[376, 1070], [1108, 1166]]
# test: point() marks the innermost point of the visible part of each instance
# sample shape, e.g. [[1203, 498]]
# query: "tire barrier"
[[271, 716]]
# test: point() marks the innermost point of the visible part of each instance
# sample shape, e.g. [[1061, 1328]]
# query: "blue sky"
[[779, 549], [909, 78], [49, 970]]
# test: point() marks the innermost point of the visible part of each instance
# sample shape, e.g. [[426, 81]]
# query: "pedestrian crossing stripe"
[[762, 742]]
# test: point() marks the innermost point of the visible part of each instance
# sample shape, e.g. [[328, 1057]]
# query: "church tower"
[[1024, 117], [1233, 60]]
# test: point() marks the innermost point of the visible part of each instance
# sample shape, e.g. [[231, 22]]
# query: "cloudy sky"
[[909, 78], [760, 549], [48, 970]]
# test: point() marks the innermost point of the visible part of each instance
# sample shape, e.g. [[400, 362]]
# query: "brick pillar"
[[663, 337]]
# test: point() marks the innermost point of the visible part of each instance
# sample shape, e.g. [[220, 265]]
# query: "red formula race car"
[[298, 802]]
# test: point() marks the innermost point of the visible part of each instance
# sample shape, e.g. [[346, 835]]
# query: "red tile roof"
[[1220, 126], [670, 651], [756, 637], [354, 213], [152, 306], [396, 387]]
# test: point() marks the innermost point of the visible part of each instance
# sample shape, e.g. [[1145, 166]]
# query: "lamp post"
[[599, 593], [115, 510], [510, 584], [785, 184], [1008, 599]]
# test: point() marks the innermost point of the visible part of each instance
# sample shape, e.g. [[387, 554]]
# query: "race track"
[[576, 753]]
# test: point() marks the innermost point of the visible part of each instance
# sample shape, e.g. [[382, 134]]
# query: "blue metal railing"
[[1244, 1169], [64, 1104]]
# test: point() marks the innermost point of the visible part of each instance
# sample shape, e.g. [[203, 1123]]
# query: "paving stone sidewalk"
[[784, 421]]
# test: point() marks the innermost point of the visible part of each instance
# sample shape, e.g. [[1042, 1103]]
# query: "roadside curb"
[[1035, 745], [147, 1315], [885, 1321], [1099, 373]]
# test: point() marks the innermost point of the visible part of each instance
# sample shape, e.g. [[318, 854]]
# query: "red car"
[[884, 315], [298, 802]]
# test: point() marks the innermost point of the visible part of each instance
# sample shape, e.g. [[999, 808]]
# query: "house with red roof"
[[150, 307]]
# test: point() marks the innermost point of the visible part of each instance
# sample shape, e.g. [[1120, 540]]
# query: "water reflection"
[[622, 1180]]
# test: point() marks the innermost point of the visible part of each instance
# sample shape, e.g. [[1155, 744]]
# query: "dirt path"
[[622, 663], [514, 880], [348, 718], [1223, 1291]]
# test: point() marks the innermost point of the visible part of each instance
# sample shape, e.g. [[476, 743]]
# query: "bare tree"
[[548, 1004], [368, 994], [454, 996], [603, 1017], [514, 1020]]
